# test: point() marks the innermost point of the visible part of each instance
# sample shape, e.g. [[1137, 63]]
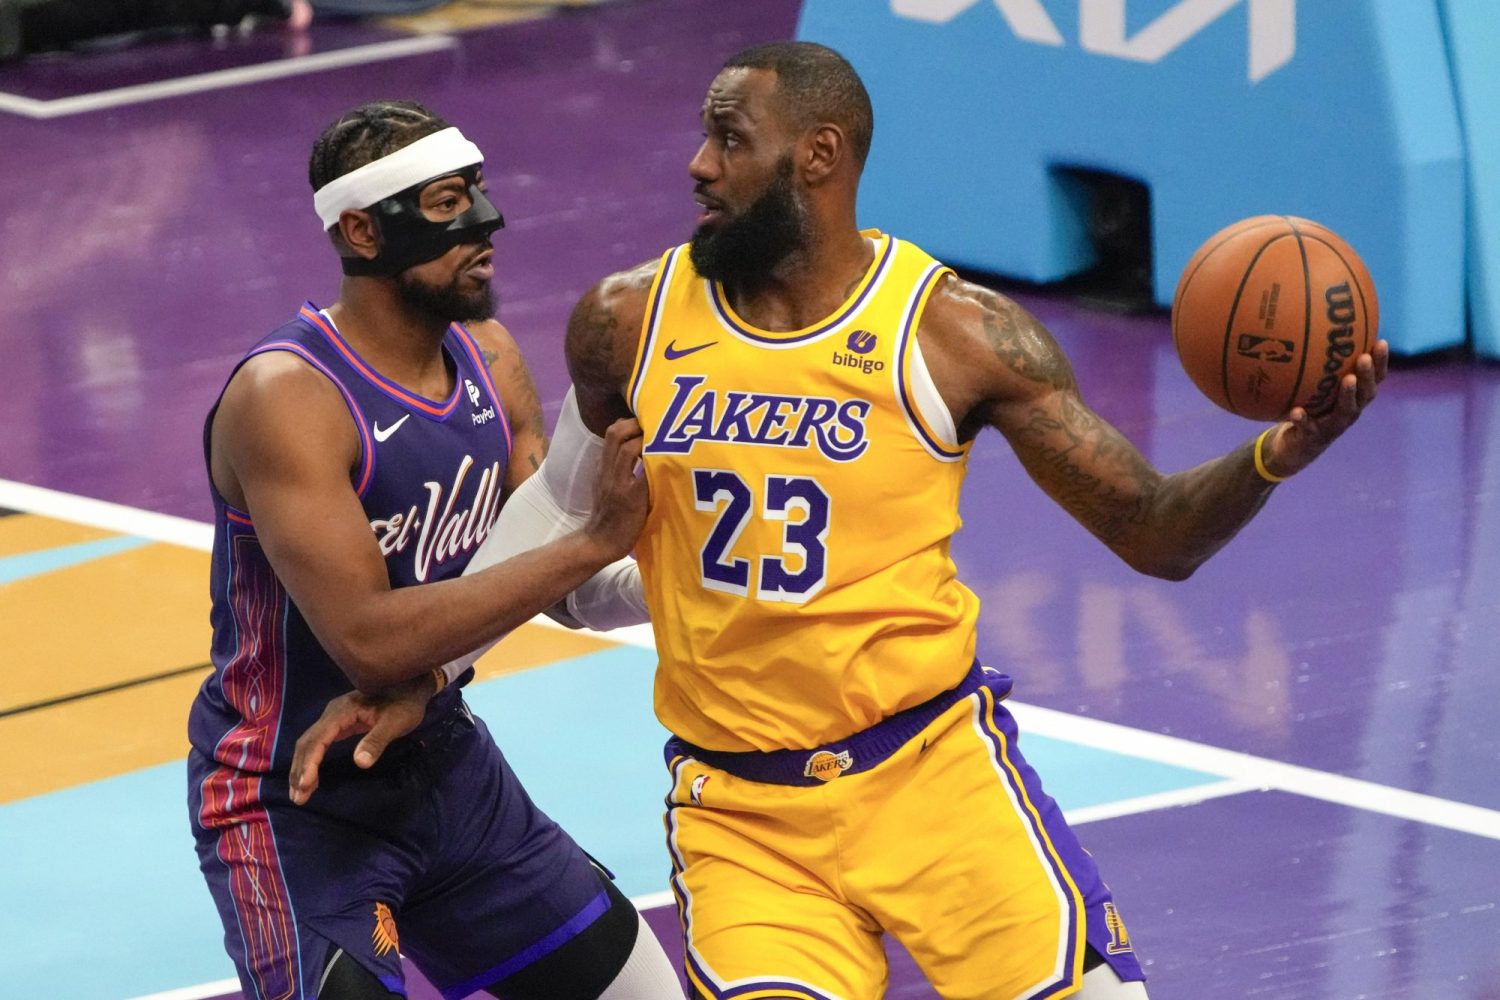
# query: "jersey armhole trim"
[[651, 325], [921, 403], [366, 441]]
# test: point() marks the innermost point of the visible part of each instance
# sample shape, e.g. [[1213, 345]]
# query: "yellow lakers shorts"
[[930, 826]]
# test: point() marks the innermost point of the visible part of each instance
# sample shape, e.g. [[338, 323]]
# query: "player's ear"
[[824, 148], [358, 232]]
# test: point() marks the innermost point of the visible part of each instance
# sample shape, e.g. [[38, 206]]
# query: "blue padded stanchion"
[[1337, 110]]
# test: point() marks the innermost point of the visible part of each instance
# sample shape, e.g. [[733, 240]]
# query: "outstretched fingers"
[[341, 719]]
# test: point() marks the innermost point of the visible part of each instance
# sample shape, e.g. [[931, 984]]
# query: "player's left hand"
[[382, 718], [1302, 437]]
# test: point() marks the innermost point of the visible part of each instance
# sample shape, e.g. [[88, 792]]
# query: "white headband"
[[431, 156]]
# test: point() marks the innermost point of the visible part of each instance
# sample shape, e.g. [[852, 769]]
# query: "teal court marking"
[[107, 869], [29, 564]]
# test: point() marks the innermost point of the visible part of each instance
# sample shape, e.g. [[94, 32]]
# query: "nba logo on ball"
[[861, 342], [825, 765]]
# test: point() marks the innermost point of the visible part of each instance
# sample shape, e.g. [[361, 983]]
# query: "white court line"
[[239, 76], [1259, 772], [106, 515], [1160, 800]]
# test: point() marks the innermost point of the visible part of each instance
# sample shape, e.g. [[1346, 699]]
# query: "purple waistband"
[[860, 752]]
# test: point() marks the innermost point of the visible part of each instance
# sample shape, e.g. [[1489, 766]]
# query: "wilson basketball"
[[1270, 313]]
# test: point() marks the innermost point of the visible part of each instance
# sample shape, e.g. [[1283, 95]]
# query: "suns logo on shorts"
[[384, 935], [826, 765], [1119, 937]]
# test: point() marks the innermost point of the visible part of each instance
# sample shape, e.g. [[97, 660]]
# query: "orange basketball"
[[1270, 313]]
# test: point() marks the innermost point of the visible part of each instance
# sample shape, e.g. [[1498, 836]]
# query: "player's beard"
[[448, 303], [748, 246]]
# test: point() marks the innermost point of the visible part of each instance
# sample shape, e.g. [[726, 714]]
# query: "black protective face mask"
[[409, 238]]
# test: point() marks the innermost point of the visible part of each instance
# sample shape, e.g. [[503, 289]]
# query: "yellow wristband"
[[440, 679], [1260, 462]]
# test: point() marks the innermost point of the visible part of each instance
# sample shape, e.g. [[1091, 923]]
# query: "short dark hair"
[[815, 84], [366, 134]]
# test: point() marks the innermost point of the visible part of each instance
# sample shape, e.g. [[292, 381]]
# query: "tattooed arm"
[[995, 365], [523, 408], [603, 334]]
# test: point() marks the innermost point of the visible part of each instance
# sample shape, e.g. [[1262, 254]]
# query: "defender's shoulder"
[[492, 338]]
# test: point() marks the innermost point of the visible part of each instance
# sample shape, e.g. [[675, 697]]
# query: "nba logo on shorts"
[[696, 792], [861, 342], [826, 765]]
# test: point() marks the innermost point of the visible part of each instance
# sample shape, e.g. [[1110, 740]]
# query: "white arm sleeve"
[[556, 499]]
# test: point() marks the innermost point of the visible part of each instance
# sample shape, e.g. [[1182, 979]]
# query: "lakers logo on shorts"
[[826, 765], [1119, 937], [384, 935]]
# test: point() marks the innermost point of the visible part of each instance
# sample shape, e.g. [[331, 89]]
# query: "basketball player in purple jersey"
[[359, 455]]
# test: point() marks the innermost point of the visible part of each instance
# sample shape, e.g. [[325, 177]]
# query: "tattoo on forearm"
[[1100, 478], [1060, 452]]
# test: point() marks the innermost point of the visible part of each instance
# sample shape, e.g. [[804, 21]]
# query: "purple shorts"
[[437, 853]]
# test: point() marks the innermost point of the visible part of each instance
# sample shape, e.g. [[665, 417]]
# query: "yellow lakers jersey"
[[804, 488]]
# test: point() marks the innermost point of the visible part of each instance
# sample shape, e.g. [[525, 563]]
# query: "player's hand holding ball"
[[1275, 318]]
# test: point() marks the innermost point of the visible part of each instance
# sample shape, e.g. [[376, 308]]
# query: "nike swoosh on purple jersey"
[[672, 353]]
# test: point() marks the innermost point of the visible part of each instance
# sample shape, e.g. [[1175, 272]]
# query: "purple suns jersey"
[[430, 477]]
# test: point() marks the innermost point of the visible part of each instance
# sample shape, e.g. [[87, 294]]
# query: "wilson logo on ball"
[[1340, 346]]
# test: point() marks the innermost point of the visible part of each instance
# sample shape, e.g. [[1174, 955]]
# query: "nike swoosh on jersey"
[[382, 433], [672, 353]]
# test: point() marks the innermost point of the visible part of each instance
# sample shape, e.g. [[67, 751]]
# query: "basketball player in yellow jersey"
[[809, 392], [841, 767]]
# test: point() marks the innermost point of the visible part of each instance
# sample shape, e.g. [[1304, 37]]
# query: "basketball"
[[1270, 313]]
